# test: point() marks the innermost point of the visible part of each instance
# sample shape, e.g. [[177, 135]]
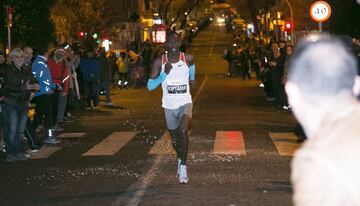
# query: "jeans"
[[61, 108], [90, 91], [43, 108], [16, 116]]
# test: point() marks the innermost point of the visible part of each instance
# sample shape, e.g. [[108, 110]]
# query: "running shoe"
[[37, 148], [57, 128], [183, 177], [21, 156], [52, 141]]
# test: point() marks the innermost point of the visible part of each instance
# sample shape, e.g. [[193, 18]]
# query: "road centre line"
[[212, 46]]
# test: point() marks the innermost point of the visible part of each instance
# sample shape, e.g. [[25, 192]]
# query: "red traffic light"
[[81, 34], [288, 26]]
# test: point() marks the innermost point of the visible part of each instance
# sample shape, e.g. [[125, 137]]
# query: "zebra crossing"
[[225, 142]]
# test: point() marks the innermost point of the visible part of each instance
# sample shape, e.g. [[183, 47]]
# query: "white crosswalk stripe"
[[44, 153], [111, 144], [285, 143], [163, 146], [229, 142], [71, 135]]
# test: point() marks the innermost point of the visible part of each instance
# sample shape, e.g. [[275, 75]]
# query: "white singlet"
[[176, 90]]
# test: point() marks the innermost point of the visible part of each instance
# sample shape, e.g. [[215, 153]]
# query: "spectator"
[[2, 113], [60, 76], [90, 70], [105, 76], [123, 66], [30, 133], [322, 88], [43, 106], [74, 97], [276, 62], [16, 97]]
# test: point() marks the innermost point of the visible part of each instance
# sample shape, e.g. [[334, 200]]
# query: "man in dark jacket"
[[17, 89], [90, 69], [105, 76]]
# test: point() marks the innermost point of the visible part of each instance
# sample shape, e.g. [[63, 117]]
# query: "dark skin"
[[173, 48], [180, 134]]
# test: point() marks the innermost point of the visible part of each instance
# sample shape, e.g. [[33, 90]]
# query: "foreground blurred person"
[[175, 71], [17, 95], [322, 87]]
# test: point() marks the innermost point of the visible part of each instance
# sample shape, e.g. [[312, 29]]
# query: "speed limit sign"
[[320, 11]]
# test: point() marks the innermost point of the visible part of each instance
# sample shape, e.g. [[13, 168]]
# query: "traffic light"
[[288, 27], [81, 34]]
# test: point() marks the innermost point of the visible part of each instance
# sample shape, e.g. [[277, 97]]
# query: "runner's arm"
[[192, 72], [156, 76], [190, 63]]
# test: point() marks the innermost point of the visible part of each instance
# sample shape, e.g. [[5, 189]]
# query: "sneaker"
[[285, 107], [57, 128], [183, 178], [109, 104], [52, 141], [178, 166], [22, 156], [37, 148], [10, 158], [68, 119], [3, 149]]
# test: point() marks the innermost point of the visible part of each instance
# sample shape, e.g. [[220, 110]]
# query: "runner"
[[175, 71]]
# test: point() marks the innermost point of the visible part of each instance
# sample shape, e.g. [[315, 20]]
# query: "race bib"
[[177, 89]]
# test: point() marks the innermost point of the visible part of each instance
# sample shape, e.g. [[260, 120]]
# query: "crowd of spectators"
[[53, 83]]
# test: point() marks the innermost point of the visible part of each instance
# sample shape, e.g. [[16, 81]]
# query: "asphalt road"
[[135, 174]]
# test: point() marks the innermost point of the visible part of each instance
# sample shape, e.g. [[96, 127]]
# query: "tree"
[[73, 16], [31, 23]]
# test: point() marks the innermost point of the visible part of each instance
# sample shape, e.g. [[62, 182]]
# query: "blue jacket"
[[42, 74], [90, 69]]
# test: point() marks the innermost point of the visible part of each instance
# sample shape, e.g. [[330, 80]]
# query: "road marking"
[[139, 189], [111, 144], [71, 135], [201, 87], [285, 143], [163, 146], [229, 142], [212, 45], [44, 153]]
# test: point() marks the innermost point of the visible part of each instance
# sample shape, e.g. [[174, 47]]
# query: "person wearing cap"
[[322, 87], [60, 75]]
